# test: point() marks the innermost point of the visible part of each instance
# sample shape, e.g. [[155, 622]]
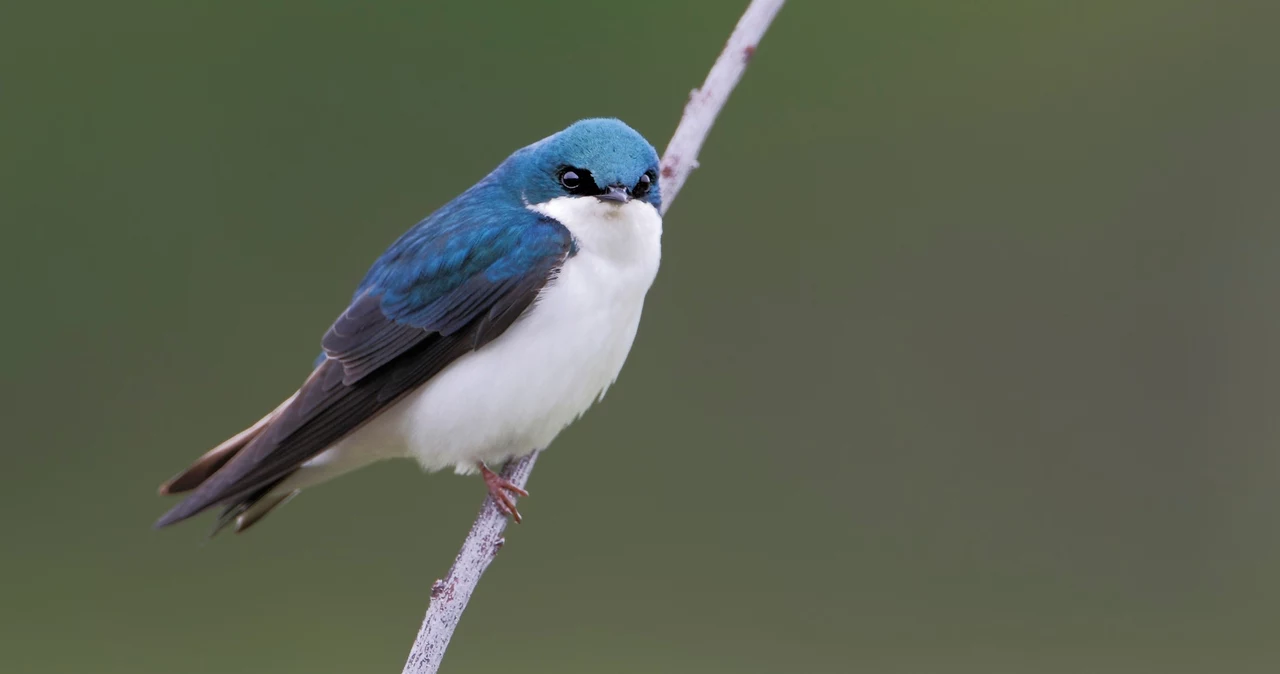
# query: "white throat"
[[624, 234]]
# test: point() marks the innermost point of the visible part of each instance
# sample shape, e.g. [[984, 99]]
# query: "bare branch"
[[704, 105], [449, 596]]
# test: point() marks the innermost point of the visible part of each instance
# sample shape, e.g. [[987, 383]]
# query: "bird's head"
[[599, 159]]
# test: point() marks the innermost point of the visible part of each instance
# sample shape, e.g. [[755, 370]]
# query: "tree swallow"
[[475, 338]]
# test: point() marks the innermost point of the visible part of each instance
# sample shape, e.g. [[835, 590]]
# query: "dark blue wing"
[[450, 285], [439, 279]]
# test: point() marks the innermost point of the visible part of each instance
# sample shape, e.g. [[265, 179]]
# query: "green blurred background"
[[962, 357]]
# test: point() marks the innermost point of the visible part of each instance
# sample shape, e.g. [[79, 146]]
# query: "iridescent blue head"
[[601, 158]]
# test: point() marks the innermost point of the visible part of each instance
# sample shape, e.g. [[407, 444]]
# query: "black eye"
[[643, 185], [576, 180]]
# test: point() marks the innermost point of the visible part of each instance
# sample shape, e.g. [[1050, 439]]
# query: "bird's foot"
[[501, 489]]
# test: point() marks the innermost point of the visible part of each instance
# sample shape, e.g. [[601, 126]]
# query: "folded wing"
[[446, 288]]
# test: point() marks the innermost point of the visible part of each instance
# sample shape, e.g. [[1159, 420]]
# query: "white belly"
[[516, 393]]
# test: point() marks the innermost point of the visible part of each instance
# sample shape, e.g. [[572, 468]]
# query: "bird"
[[475, 338]]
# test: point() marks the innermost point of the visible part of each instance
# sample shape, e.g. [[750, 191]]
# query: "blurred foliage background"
[[962, 357]]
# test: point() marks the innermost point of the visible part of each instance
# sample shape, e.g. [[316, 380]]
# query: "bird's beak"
[[615, 193]]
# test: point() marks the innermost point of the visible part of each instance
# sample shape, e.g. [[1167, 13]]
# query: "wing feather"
[[402, 328]]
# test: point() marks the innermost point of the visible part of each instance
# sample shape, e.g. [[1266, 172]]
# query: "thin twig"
[[704, 105], [449, 596]]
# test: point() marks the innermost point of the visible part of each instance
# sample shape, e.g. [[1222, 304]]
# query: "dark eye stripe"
[[577, 181], [643, 185]]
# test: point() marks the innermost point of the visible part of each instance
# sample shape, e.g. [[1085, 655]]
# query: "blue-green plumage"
[[476, 238]]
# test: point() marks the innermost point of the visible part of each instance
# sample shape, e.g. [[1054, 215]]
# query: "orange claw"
[[501, 489]]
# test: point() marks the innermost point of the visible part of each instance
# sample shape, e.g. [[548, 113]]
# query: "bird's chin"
[[613, 210]]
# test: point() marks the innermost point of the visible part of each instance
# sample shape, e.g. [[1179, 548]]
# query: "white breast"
[[516, 393]]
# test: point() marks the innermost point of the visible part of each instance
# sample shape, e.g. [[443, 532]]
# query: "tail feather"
[[212, 460], [250, 511], [210, 463]]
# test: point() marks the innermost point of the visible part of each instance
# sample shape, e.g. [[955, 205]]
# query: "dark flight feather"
[[217, 457]]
